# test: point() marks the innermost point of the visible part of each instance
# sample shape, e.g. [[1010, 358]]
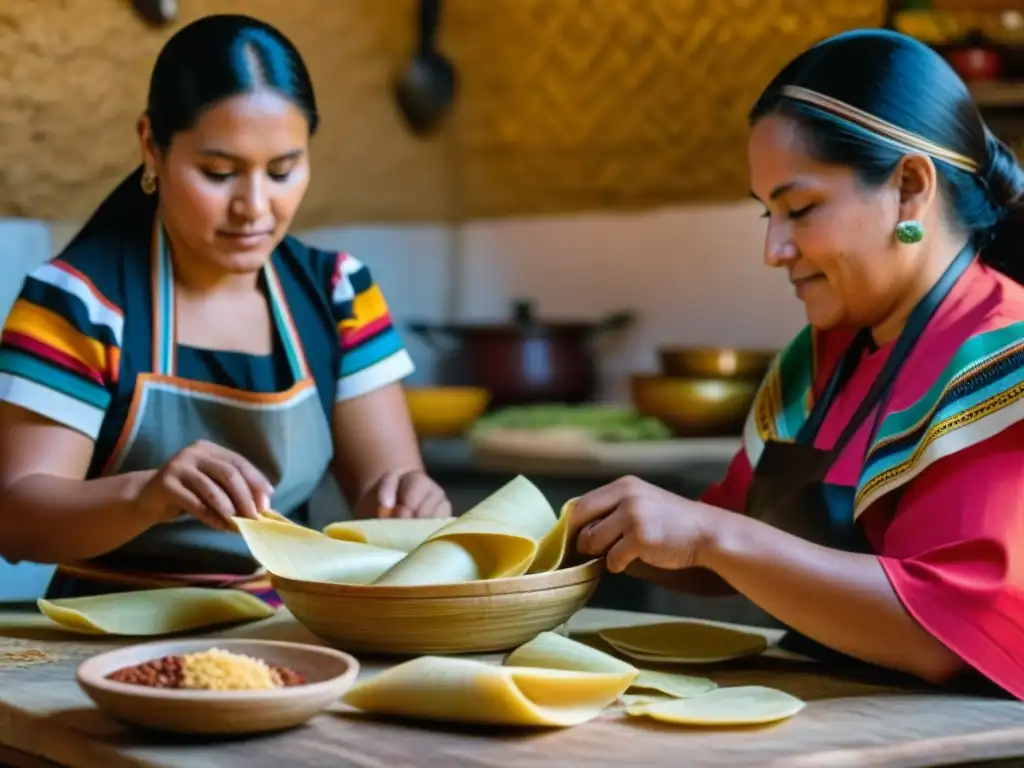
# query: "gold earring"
[[148, 182]]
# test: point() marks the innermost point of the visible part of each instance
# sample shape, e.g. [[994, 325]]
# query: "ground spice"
[[171, 672], [25, 658]]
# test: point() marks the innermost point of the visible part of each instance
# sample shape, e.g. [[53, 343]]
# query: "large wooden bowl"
[[330, 674], [693, 407], [715, 362], [472, 617]]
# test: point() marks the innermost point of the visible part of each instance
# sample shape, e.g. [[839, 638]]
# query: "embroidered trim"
[[979, 393], [969, 399], [779, 410]]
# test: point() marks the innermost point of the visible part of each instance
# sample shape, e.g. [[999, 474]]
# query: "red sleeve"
[[731, 492], [954, 553]]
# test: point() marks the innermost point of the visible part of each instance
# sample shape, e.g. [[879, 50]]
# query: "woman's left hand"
[[404, 495], [630, 519]]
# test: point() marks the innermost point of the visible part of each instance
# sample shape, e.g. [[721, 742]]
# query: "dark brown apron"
[[789, 491]]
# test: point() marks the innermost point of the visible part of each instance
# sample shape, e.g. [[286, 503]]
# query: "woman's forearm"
[[699, 582], [49, 519], [373, 435], [840, 599]]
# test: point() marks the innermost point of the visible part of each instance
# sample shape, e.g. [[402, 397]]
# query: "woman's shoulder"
[[300, 254], [84, 284], [1006, 299], [99, 261], [338, 272], [964, 385], [987, 314]]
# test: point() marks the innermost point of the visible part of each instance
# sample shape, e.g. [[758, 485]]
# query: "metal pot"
[[525, 361], [716, 362]]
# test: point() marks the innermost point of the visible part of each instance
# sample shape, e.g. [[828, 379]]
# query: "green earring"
[[910, 231]]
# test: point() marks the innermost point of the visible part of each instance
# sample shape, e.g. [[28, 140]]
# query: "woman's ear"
[[146, 144], [918, 185]]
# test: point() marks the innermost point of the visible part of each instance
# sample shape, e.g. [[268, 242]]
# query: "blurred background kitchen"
[[552, 193]]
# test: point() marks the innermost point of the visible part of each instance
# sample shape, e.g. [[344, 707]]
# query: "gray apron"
[[286, 435]]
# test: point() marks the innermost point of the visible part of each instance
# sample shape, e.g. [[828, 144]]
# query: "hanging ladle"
[[425, 89]]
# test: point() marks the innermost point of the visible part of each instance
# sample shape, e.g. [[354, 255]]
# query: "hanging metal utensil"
[[425, 89], [157, 12]]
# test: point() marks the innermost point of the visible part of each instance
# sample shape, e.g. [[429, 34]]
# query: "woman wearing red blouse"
[[877, 506]]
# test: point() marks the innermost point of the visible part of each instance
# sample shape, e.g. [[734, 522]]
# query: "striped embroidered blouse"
[[60, 353], [80, 332]]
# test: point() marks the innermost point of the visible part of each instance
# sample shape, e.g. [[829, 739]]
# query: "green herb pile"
[[603, 423]]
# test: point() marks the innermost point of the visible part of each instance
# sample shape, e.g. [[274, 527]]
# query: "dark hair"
[[211, 59], [904, 82]]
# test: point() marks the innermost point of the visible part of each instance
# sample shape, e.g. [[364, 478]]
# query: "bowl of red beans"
[[211, 687]]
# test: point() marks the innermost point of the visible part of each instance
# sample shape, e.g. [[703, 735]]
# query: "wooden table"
[[45, 720]]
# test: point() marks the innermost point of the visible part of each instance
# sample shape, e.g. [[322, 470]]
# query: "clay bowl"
[[329, 673], [715, 362], [693, 407], [470, 617]]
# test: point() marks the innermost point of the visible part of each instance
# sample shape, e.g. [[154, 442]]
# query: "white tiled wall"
[[694, 275]]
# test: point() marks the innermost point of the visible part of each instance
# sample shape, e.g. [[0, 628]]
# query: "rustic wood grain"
[[13, 758], [849, 721]]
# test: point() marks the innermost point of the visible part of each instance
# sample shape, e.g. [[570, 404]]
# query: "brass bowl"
[[695, 407], [715, 362], [445, 411]]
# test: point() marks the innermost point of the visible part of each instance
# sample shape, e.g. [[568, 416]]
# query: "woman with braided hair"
[[876, 509]]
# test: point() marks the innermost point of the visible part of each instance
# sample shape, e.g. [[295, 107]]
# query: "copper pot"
[[523, 361]]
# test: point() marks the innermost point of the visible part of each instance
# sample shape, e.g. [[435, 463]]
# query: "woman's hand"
[[630, 520], [208, 482], [404, 494]]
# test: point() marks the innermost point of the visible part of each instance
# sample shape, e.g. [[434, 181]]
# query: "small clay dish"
[[328, 673]]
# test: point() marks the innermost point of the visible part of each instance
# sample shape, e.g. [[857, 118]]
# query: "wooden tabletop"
[[848, 722]]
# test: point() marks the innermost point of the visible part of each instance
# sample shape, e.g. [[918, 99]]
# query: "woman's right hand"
[[208, 482]]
